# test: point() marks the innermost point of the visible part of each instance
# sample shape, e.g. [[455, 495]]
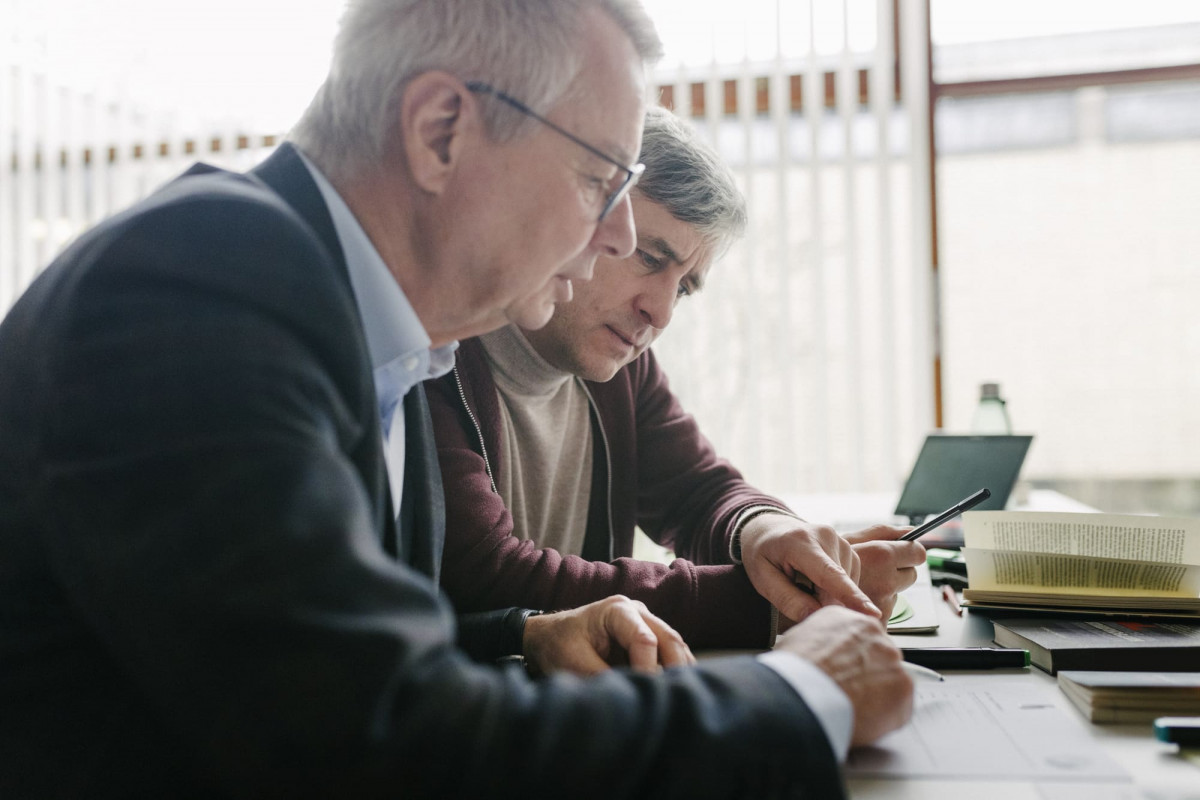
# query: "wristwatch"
[[514, 629]]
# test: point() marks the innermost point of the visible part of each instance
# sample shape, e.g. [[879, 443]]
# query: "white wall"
[[1072, 276]]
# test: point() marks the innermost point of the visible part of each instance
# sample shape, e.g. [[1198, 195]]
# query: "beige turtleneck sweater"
[[547, 440]]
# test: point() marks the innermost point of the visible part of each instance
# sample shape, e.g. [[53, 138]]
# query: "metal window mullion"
[[818, 377], [8, 122], [914, 75], [50, 176], [847, 109], [882, 104], [25, 179], [779, 102]]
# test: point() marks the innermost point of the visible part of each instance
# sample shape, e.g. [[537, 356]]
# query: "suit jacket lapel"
[[422, 508], [285, 173]]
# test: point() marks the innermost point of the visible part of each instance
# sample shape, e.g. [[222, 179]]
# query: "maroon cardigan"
[[653, 468]]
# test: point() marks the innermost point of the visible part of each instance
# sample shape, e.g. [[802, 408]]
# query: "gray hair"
[[687, 177], [527, 48]]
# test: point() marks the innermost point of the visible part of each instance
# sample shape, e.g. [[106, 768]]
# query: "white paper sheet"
[[999, 732]]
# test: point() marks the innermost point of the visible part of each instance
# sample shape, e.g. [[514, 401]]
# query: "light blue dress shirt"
[[396, 341]]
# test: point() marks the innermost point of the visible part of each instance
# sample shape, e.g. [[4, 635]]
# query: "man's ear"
[[434, 127]]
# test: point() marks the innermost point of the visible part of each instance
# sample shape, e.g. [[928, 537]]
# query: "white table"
[[1157, 771], [852, 511]]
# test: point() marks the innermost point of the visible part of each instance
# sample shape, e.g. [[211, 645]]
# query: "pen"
[[954, 510], [951, 597], [918, 672], [967, 657]]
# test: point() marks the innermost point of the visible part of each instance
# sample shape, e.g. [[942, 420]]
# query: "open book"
[[1107, 563]]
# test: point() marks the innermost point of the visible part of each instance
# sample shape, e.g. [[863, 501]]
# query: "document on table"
[[1001, 731]]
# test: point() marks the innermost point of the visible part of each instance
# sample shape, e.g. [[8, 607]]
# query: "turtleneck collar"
[[517, 367]]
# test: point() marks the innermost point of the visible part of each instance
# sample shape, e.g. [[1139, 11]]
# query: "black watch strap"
[[514, 630]]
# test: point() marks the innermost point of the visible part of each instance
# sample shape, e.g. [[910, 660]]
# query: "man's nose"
[[656, 303], [616, 235]]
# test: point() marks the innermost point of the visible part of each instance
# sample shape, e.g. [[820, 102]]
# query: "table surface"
[[851, 511], [1156, 769]]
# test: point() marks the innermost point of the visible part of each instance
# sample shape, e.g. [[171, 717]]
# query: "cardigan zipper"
[[607, 462], [487, 464]]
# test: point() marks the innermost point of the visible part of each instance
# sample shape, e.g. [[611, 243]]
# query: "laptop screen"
[[950, 467]]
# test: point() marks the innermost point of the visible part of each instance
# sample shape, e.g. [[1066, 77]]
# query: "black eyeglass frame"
[[632, 173]]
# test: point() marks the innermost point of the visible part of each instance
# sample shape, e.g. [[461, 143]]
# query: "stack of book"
[[1132, 697]]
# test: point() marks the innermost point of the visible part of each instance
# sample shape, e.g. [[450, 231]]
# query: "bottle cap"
[[989, 390]]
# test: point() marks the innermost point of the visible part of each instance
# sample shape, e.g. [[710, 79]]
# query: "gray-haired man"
[[220, 515]]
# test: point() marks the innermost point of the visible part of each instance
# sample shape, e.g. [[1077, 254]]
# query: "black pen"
[[929, 524], [967, 657]]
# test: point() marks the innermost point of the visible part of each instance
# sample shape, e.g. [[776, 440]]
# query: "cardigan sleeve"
[[485, 566], [689, 498]]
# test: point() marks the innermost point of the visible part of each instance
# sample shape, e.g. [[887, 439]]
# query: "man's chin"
[[531, 316], [600, 370]]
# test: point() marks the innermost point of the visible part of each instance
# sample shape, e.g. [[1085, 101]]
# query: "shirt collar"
[[391, 325], [397, 343]]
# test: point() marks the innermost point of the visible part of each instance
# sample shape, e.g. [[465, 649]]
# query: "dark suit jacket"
[[196, 598]]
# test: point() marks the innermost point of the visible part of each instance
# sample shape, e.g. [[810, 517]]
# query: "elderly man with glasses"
[[221, 517]]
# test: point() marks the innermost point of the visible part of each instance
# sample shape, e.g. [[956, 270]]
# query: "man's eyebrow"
[[663, 247]]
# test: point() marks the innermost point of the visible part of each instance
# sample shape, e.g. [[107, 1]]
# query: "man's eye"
[[593, 187], [652, 262], [683, 291]]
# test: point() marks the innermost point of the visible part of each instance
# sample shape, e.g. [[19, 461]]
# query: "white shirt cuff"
[[828, 703]]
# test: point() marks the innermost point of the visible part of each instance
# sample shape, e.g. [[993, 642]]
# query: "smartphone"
[[954, 510]]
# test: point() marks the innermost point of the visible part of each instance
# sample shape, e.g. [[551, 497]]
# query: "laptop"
[[950, 467]]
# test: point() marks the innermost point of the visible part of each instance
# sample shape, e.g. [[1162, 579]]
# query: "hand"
[[609, 632], [855, 651], [888, 566], [778, 550]]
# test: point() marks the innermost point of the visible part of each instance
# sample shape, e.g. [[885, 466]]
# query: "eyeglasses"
[[631, 173]]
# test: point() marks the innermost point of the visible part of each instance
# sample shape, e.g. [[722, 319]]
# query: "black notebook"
[[1103, 644]]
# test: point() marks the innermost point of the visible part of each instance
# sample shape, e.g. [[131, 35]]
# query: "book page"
[[1169, 540], [1056, 574]]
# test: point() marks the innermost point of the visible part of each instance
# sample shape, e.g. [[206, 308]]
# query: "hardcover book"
[[1101, 644]]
